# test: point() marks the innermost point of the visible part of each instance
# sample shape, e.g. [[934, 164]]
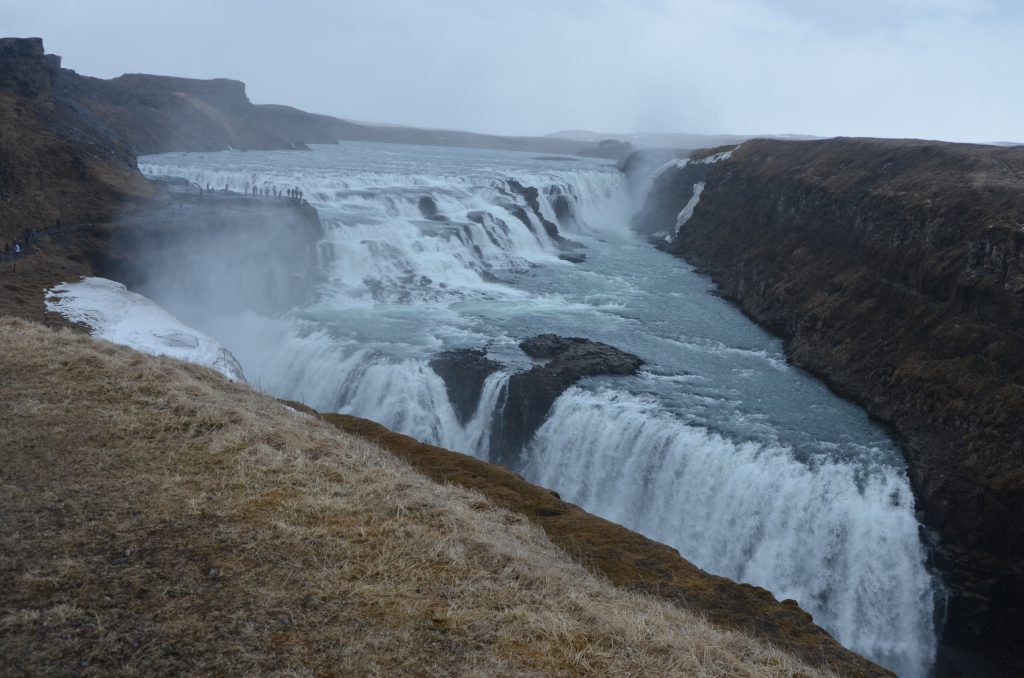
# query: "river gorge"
[[717, 445]]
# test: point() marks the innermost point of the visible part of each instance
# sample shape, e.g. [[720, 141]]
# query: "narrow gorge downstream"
[[717, 446]]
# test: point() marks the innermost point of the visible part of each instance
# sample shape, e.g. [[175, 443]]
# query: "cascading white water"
[[386, 250], [838, 537], [719, 448]]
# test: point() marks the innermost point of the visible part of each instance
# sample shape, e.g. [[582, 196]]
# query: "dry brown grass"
[[49, 263], [155, 518], [51, 168]]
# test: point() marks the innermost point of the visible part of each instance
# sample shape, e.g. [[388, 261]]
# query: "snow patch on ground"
[[687, 211], [717, 157], [122, 317]]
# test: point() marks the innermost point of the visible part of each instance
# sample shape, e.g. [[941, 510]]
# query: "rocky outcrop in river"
[[529, 395], [464, 372], [895, 271]]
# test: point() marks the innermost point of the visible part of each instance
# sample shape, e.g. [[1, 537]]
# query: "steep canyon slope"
[[54, 165], [162, 520], [894, 270]]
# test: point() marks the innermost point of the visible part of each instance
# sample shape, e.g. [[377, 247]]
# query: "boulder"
[[428, 208], [464, 372], [530, 394]]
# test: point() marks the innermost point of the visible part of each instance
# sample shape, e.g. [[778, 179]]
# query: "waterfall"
[[838, 537], [752, 474]]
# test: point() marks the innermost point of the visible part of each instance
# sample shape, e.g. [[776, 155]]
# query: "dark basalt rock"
[[573, 257], [532, 197], [25, 69], [895, 271], [641, 164], [669, 193], [565, 212], [428, 208], [530, 394], [464, 372], [579, 356]]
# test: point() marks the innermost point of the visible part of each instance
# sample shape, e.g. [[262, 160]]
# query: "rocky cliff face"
[[528, 396], [895, 270], [156, 114], [138, 114], [208, 255], [67, 154], [53, 165], [25, 70]]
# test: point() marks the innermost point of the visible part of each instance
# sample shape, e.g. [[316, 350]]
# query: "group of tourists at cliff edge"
[[263, 192]]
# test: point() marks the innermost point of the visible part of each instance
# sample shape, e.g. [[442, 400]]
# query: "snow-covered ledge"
[[122, 317]]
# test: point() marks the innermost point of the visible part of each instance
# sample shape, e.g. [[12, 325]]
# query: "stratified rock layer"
[[895, 270], [464, 372], [54, 165], [530, 394], [25, 69]]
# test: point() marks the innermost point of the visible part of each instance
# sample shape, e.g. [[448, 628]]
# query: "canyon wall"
[[53, 164], [895, 271]]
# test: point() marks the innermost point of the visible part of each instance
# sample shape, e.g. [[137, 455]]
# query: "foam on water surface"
[[718, 447]]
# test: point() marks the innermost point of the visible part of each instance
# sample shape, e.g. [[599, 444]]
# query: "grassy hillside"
[[50, 173], [159, 519]]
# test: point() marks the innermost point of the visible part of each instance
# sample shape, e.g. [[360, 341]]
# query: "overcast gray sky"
[[944, 69]]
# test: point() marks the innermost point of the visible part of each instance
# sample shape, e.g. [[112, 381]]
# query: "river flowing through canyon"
[[718, 446]]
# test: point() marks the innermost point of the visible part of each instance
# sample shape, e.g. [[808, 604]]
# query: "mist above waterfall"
[[206, 255], [717, 447]]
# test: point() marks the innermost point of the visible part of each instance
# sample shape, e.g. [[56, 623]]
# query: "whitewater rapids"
[[719, 447]]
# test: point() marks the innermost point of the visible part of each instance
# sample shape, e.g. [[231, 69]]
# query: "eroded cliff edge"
[[895, 271]]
